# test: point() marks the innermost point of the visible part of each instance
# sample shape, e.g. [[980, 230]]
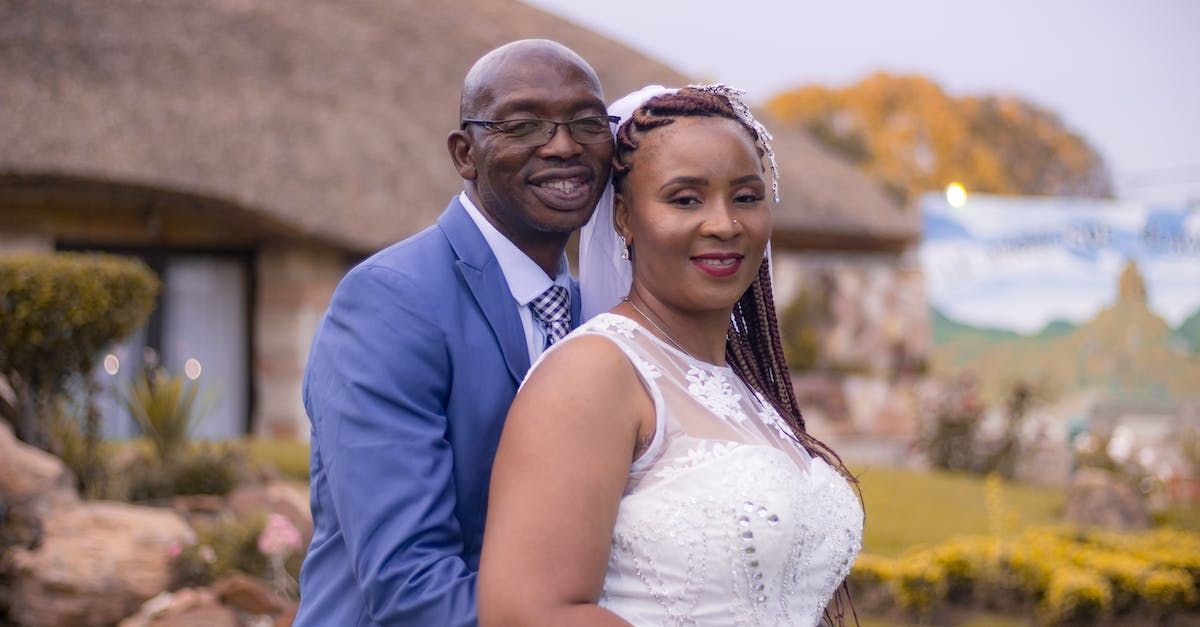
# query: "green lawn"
[[962, 619], [289, 457], [907, 508]]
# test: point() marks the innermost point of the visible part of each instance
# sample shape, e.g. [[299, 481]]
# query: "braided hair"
[[753, 347]]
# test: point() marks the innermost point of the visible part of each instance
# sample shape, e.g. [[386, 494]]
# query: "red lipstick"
[[718, 264]]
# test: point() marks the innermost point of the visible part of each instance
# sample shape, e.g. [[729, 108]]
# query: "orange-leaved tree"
[[914, 137]]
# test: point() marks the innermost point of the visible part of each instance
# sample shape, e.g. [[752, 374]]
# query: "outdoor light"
[[956, 195], [112, 365], [191, 368]]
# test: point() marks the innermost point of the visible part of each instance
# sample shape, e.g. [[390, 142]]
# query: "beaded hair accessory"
[[734, 96]]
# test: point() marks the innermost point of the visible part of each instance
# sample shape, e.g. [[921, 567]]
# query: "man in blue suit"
[[420, 354]]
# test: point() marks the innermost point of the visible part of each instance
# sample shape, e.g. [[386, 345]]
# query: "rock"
[[189, 607], [31, 480], [248, 594], [284, 498], [1097, 498], [202, 616], [288, 617], [97, 563]]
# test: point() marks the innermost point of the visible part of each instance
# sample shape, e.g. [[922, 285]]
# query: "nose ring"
[[735, 221]]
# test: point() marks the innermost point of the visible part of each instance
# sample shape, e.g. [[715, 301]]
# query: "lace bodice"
[[726, 519]]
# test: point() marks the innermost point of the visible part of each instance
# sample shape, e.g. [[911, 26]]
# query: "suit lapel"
[[576, 305], [481, 272]]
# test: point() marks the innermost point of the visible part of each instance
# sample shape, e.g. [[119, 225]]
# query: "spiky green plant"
[[166, 408]]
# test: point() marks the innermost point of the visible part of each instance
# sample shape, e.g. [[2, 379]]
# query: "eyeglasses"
[[533, 132]]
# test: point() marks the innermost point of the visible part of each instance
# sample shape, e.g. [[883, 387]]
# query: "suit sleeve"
[[377, 388]]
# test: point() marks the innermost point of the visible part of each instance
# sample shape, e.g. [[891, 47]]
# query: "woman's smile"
[[718, 265]]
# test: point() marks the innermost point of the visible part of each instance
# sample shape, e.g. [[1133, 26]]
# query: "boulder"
[[1098, 498], [189, 607], [287, 499], [31, 480], [97, 562], [248, 594], [287, 617]]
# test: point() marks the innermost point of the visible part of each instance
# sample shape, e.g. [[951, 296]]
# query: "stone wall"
[[865, 349], [869, 309], [295, 284]]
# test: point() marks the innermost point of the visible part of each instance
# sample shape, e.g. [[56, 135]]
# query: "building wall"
[[870, 339], [25, 242], [295, 284]]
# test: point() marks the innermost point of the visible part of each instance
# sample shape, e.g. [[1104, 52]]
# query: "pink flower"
[[279, 537], [207, 554]]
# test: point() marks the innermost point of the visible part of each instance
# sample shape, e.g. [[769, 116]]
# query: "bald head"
[[515, 61]]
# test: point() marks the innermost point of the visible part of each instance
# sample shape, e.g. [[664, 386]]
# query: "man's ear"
[[462, 153]]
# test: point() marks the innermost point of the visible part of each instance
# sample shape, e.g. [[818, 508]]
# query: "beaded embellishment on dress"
[[726, 519]]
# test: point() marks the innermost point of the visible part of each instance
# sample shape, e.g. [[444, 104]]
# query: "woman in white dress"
[[654, 468]]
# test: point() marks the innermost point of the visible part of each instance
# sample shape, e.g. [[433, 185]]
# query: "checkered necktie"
[[553, 309]]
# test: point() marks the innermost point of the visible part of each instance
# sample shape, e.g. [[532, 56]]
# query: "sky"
[[1018, 264], [1123, 74]]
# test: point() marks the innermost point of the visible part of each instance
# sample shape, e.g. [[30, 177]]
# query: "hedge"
[[58, 311], [1065, 575]]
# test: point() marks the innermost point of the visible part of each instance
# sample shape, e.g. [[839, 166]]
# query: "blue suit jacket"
[[411, 374]]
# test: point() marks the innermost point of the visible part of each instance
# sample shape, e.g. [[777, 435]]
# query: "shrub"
[[949, 435], [952, 435], [165, 408], [77, 450], [919, 582], [208, 469], [221, 547], [964, 563], [1124, 573], [57, 312], [256, 546], [1075, 595], [202, 468], [1069, 575], [869, 582], [1166, 589]]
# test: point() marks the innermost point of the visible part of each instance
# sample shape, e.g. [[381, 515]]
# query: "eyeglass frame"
[[493, 125]]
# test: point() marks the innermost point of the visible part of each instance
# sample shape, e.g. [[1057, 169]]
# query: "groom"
[[420, 354]]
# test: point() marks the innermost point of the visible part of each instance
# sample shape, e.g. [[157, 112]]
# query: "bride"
[[654, 468]]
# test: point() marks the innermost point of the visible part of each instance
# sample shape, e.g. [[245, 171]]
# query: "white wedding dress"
[[726, 519]]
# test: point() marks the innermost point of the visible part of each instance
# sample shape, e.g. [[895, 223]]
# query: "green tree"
[[57, 312]]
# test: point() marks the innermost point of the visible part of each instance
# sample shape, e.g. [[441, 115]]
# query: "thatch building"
[[251, 150]]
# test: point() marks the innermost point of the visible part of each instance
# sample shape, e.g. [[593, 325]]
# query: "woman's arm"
[[559, 474]]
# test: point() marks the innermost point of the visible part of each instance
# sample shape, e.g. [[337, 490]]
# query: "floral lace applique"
[[646, 368], [617, 325], [771, 418], [715, 392], [696, 456]]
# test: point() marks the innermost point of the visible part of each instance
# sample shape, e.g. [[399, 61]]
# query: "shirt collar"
[[526, 280]]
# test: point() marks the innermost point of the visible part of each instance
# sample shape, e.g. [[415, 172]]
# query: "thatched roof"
[[326, 115]]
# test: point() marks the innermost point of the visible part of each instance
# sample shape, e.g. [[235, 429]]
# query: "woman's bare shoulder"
[[590, 363]]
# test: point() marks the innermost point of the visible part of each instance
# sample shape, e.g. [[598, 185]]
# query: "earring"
[[624, 248]]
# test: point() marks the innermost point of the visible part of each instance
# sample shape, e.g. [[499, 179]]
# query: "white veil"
[[604, 276]]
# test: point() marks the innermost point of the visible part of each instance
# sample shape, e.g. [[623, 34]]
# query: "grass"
[[289, 457], [908, 508], [965, 619]]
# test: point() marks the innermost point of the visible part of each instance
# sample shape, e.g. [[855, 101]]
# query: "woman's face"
[[694, 208]]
